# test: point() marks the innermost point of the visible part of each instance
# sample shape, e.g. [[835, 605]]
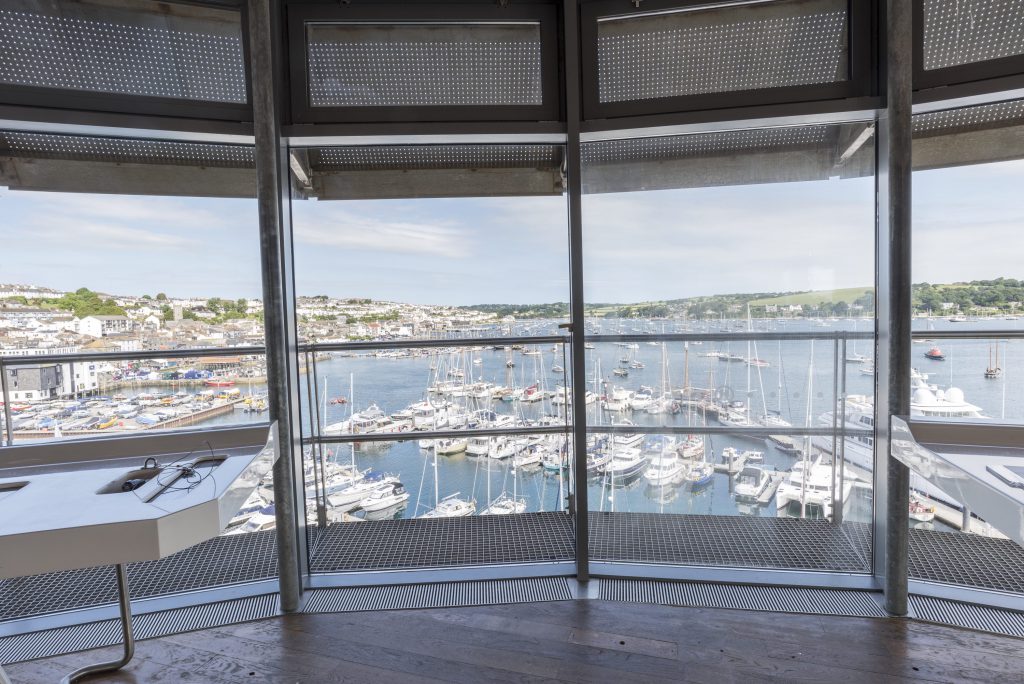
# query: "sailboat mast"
[[807, 440], [351, 410]]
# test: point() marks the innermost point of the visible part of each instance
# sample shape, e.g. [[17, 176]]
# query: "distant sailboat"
[[993, 370]]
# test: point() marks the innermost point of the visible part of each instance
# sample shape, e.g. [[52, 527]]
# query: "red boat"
[[219, 383], [935, 354]]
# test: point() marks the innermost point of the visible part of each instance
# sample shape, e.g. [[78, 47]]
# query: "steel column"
[[574, 187], [894, 278], [275, 246], [8, 428]]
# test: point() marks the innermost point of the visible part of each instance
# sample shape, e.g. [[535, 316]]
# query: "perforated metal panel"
[[449, 594], [999, 114], [123, 150], [140, 48], [770, 45], [409, 157], [967, 31], [367, 65], [743, 597], [999, 621], [724, 142], [62, 640]]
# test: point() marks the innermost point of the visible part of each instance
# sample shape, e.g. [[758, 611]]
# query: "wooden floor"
[[578, 641]]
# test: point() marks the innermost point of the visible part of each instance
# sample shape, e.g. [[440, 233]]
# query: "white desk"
[[76, 514]]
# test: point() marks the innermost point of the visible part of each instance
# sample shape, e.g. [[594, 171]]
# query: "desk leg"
[[126, 629]]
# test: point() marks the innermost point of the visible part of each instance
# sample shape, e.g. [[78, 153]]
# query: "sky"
[[639, 246]]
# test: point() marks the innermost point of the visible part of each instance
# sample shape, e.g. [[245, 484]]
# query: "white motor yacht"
[[505, 505], [751, 483], [810, 485], [384, 498], [452, 507], [665, 466], [626, 463], [352, 494]]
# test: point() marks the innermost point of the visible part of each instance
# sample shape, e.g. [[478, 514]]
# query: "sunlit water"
[[783, 387]]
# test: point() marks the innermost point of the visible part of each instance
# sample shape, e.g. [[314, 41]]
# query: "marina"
[[670, 384]]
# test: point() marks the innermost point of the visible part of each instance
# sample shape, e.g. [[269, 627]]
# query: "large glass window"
[[132, 293], [729, 291], [967, 297], [432, 288]]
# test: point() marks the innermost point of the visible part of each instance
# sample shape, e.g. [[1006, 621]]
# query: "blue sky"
[[639, 246]]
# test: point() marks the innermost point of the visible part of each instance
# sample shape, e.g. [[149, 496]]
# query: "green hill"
[[847, 294]]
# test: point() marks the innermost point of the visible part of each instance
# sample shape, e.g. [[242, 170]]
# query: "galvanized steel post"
[[574, 188], [275, 246], [894, 249]]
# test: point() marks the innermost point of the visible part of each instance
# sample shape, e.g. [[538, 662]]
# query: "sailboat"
[[993, 370]]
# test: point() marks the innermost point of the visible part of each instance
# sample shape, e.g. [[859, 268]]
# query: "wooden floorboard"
[[569, 641]]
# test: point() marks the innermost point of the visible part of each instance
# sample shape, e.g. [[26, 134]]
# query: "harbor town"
[[395, 392]]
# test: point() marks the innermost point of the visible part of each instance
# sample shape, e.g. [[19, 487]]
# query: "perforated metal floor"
[[730, 541], [474, 540], [966, 559], [220, 561]]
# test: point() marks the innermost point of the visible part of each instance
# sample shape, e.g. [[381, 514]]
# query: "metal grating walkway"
[[224, 560], [437, 543], [966, 559], [730, 541]]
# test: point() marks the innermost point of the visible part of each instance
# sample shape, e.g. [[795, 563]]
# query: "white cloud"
[[347, 230], [105, 235]]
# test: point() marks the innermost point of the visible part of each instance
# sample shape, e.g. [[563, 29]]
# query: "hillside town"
[[44, 322]]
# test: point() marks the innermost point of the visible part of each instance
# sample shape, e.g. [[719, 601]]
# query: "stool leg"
[[126, 630]]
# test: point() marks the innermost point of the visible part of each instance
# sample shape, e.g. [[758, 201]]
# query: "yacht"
[[617, 400], [505, 505], [626, 439], [504, 447], [264, 519], [353, 493], [700, 475], [533, 455], [859, 451], [641, 399], [625, 464], [452, 507], [733, 455], [385, 498], [809, 482], [478, 446], [751, 483], [665, 466], [446, 446], [427, 416], [950, 403]]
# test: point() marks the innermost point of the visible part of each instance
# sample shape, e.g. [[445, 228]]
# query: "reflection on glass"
[[967, 279], [741, 236], [81, 399], [963, 283]]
